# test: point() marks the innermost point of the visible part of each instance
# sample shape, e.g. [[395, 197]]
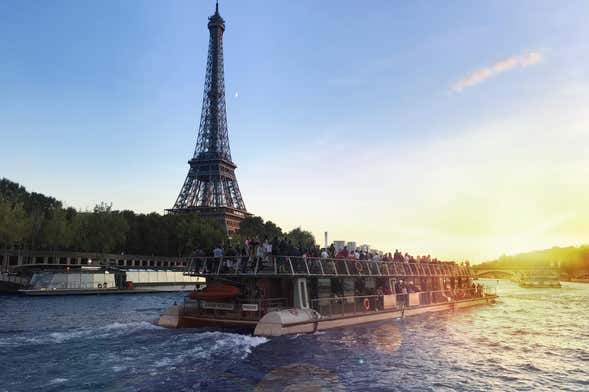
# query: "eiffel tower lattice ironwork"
[[210, 188]]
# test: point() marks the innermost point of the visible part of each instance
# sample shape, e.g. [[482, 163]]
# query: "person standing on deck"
[[331, 250], [218, 252], [343, 254], [267, 247]]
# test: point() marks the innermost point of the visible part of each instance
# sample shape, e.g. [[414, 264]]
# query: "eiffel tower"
[[210, 188]]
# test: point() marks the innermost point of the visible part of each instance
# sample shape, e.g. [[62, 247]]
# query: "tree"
[[14, 223], [57, 230], [102, 230], [271, 230], [254, 226], [301, 238], [251, 227], [197, 233]]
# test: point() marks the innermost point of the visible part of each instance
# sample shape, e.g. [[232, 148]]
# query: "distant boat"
[[99, 280], [541, 278]]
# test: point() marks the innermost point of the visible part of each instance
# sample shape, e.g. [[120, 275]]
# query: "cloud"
[[504, 65]]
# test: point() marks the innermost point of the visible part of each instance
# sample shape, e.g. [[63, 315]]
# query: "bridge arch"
[[497, 273]]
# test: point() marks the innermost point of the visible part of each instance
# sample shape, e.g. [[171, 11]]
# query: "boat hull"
[[277, 329], [295, 321]]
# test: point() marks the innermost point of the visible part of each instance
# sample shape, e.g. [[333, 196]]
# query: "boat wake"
[[137, 349], [57, 337]]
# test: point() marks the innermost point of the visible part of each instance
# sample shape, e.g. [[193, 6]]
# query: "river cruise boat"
[[99, 280], [64, 273], [281, 295]]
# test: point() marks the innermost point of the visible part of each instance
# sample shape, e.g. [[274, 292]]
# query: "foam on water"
[[57, 381], [58, 337]]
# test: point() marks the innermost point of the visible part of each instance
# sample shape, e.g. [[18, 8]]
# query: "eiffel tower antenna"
[[210, 188]]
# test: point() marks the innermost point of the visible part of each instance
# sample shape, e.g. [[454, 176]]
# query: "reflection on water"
[[532, 339], [386, 338], [300, 377]]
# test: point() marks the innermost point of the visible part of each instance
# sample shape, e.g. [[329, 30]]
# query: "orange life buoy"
[[359, 267], [366, 304]]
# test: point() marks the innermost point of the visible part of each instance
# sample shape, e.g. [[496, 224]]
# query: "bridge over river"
[[512, 272]]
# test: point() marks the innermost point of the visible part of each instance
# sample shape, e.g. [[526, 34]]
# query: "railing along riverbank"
[[17, 259]]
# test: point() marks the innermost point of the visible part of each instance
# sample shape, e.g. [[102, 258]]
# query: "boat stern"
[[171, 318], [287, 321]]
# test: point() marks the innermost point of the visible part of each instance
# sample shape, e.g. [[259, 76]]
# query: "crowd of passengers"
[[255, 252], [256, 249]]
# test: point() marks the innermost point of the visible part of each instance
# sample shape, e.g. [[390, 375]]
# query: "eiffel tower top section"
[[213, 138]]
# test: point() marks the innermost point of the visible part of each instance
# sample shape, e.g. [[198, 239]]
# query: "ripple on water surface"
[[532, 339]]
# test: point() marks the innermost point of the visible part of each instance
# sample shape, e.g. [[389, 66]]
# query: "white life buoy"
[[366, 304]]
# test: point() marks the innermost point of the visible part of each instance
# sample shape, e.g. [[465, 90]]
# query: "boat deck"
[[285, 266]]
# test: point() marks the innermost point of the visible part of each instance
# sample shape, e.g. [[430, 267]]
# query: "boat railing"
[[316, 266], [351, 305]]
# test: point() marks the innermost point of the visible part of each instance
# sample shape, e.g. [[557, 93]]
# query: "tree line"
[[572, 259], [30, 220]]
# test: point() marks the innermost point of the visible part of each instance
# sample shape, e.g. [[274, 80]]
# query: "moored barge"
[[278, 295]]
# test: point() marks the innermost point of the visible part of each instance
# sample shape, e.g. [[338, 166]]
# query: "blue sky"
[[457, 129]]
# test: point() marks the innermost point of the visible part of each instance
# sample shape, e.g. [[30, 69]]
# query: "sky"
[[457, 129]]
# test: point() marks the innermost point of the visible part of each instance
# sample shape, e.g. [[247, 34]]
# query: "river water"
[[531, 339]]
